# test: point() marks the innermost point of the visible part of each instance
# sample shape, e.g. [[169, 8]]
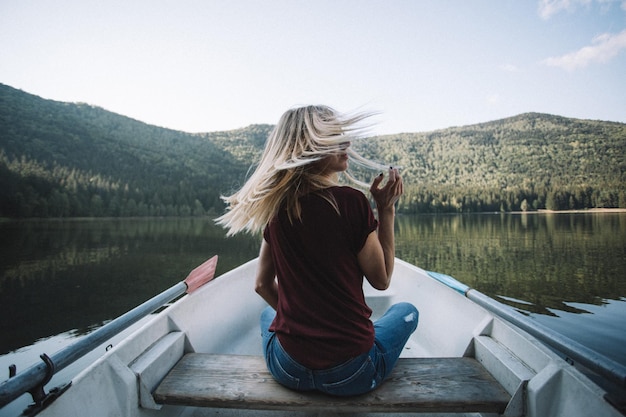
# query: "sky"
[[208, 65]]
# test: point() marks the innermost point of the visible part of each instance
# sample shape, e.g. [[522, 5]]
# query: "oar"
[[34, 378], [589, 358]]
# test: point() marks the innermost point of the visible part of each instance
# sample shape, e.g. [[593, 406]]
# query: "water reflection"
[[56, 276], [537, 262]]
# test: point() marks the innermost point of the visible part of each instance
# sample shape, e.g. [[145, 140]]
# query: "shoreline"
[[579, 211], [592, 210]]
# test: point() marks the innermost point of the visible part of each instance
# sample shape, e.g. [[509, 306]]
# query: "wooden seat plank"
[[416, 384]]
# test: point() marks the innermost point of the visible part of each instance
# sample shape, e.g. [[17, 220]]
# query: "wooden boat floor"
[[416, 384]]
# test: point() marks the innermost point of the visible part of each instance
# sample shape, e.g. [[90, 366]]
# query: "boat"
[[201, 356]]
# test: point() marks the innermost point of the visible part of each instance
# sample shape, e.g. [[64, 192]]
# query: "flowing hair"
[[287, 169]]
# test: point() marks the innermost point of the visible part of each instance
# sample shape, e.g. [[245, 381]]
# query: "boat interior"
[[202, 357]]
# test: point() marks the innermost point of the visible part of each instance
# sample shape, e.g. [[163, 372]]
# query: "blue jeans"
[[356, 376]]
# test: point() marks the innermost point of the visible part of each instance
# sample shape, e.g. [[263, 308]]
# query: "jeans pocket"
[[363, 380], [282, 376]]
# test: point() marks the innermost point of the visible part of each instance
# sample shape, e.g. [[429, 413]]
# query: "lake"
[[61, 279]]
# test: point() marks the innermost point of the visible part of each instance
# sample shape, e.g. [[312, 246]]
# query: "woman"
[[319, 240]]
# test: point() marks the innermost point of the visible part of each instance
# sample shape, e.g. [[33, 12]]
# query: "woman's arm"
[[265, 284], [377, 256]]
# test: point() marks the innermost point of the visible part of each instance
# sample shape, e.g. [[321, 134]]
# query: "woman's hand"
[[377, 257], [388, 195]]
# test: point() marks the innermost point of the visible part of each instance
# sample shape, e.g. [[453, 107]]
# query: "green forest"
[[76, 160]]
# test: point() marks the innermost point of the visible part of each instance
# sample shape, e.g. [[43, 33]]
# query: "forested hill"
[[531, 161], [61, 159]]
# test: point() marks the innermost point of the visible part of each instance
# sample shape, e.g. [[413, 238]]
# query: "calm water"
[[567, 271], [62, 279]]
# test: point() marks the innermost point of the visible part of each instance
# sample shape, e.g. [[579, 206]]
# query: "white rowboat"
[[202, 357]]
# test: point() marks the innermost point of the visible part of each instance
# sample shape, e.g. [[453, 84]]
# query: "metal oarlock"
[[38, 393], [41, 399]]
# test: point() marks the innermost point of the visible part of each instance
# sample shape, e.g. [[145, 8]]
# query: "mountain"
[[62, 159], [547, 161], [67, 159]]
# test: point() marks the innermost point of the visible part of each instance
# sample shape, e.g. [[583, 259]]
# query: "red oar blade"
[[201, 275]]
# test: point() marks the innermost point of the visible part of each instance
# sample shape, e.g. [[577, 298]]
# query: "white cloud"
[[603, 48], [548, 8]]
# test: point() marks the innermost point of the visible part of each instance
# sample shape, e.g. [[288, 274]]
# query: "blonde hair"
[[287, 170]]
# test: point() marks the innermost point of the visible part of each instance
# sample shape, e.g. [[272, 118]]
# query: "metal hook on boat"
[[38, 393], [40, 398]]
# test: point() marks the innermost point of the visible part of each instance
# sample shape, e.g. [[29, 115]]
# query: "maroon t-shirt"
[[322, 319]]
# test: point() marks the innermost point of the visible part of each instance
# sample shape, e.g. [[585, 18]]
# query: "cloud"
[[603, 48], [548, 8]]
